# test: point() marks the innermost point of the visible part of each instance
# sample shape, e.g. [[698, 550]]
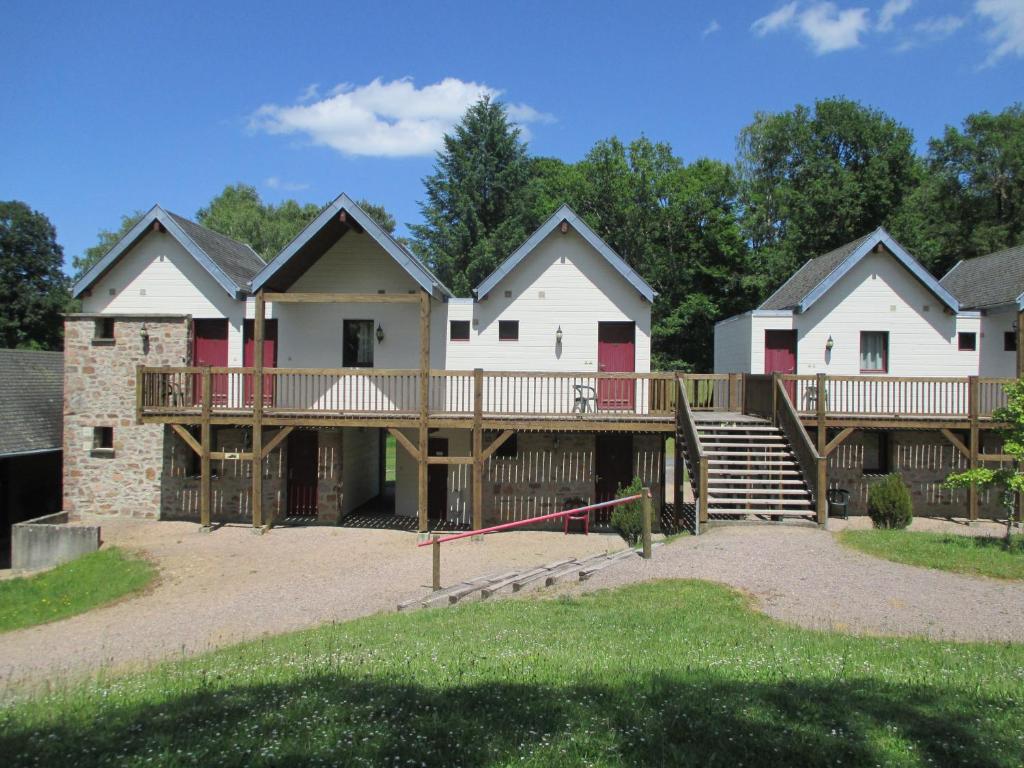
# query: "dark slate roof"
[[988, 281], [31, 401], [238, 261], [809, 276]]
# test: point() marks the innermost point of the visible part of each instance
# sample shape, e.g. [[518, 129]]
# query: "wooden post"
[[775, 398], [257, 414], [205, 492], [972, 414], [138, 394], [478, 447], [424, 396], [677, 479], [821, 497], [1020, 345], [702, 485], [735, 392], [822, 431], [435, 549], [646, 505]]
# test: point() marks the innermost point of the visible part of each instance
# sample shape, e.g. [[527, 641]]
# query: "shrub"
[[889, 503], [627, 519]]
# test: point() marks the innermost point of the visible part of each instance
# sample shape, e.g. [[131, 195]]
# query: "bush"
[[627, 519], [889, 503]]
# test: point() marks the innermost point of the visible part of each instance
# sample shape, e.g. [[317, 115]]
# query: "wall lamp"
[[829, 344], [558, 335], [144, 333], [380, 334]]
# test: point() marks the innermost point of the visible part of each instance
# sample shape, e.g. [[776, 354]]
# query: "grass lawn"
[[390, 446], [669, 673], [976, 555], [74, 587]]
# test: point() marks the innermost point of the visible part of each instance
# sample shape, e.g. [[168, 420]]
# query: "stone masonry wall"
[[99, 391]]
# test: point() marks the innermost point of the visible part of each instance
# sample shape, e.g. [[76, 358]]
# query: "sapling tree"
[[1010, 479]]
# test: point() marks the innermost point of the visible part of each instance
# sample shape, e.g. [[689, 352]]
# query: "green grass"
[[667, 673], [390, 447], [975, 555], [71, 588]]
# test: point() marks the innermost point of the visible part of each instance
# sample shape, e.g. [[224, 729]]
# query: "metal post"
[[645, 506], [435, 549]]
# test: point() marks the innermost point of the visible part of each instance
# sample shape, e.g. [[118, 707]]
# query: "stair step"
[[722, 492], [756, 439], [774, 512], [747, 448], [760, 502], [760, 462], [736, 428], [759, 473], [762, 482]]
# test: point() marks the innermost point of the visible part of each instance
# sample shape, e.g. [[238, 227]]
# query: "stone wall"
[[99, 391], [923, 459]]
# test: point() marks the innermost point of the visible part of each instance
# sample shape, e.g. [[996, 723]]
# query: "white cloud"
[[712, 27], [1007, 30], [778, 19], [890, 11], [273, 182], [931, 30], [384, 119], [825, 26], [311, 92]]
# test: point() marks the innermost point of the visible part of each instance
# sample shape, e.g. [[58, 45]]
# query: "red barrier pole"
[[527, 521]]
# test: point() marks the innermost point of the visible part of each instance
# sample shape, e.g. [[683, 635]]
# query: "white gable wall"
[[158, 276], [996, 362]]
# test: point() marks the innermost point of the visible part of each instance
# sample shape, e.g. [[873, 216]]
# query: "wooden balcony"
[[375, 397]]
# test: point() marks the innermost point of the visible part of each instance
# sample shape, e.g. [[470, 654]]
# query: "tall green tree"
[[240, 213], [475, 211], [971, 197], [106, 239], [33, 288], [813, 179]]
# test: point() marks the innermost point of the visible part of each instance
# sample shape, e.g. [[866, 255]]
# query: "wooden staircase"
[[751, 470]]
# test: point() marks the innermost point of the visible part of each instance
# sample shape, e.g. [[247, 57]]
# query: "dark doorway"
[[437, 480], [616, 353], [613, 467], [302, 473]]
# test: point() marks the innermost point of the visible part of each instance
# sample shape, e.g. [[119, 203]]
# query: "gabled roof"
[[231, 263], [813, 279], [568, 215], [413, 266], [32, 406], [988, 281]]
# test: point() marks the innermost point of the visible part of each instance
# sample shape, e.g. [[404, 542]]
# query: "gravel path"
[[802, 575], [232, 585]]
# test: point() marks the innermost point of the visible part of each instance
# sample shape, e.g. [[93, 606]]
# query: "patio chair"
[[584, 517], [838, 500], [586, 398]]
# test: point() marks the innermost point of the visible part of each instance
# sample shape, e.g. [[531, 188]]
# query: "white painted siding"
[[995, 360], [562, 283], [733, 344], [360, 471], [158, 276]]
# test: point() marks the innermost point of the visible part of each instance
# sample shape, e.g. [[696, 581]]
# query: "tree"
[[971, 198], [475, 210], [379, 214], [33, 288], [1010, 478], [107, 239], [814, 180]]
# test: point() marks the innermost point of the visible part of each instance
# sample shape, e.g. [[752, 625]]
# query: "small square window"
[[104, 331], [459, 330], [102, 441], [1010, 341], [967, 341], [357, 344], [508, 330]]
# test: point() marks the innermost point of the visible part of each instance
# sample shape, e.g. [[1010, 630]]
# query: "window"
[[874, 351], [967, 342], [508, 330], [1010, 341], [102, 441], [357, 344], [507, 450], [104, 333], [876, 453], [458, 330]]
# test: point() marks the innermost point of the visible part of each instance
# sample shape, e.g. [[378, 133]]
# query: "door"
[[437, 480], [302, 473], [269, 357], [210, 347], [780, 356], [616, 353], [613, 467]]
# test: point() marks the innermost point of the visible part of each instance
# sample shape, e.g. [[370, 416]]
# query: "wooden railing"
[[686, 429], [890, 396], [812, 465], [759, 395], [713, 391]]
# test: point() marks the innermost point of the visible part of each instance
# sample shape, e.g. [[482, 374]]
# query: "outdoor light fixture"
[[829, 344], [558, 335], [380, 334], [144, 333]]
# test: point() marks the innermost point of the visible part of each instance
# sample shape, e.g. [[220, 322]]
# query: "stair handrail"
[[698, 460], [812, 464]]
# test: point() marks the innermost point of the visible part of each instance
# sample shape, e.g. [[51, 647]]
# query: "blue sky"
[[110, 107]]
